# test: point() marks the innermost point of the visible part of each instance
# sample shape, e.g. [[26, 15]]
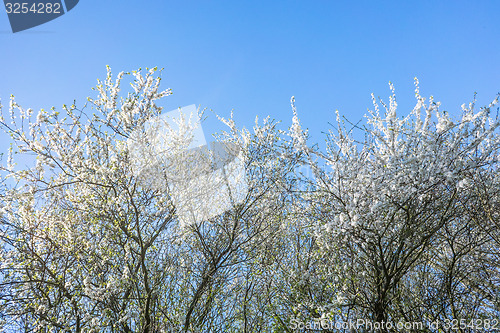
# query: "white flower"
[[127, 107], [462, 184]]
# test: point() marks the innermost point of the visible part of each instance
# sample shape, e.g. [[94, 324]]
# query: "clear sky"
[[252, 56]]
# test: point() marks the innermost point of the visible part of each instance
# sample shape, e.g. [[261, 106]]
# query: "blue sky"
[[252, 56]]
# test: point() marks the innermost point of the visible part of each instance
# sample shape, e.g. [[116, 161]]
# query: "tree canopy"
[[403, 226]]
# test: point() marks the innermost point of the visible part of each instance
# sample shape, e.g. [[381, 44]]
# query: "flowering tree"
[[398, 215], [88, 246], [401, 226]]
